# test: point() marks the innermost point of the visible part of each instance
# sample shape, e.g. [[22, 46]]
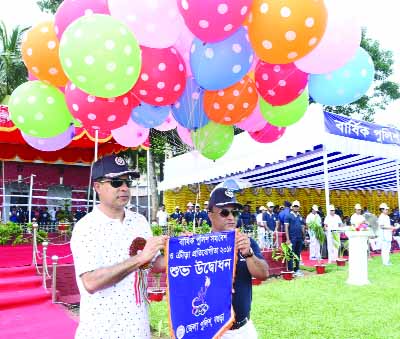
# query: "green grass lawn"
[[322, 306]]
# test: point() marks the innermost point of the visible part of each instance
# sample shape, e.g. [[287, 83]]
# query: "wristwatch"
[[249, 254]]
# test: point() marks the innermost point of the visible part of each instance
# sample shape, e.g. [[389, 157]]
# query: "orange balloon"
[[233, 104], [283, 31], [40, 54]]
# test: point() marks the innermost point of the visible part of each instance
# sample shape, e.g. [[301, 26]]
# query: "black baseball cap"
[[112, 166], [221, 197]]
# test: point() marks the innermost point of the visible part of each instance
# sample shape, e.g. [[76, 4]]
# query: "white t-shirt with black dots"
[[98, 241]]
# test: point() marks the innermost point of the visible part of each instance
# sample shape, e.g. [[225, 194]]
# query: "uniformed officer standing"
[[188, 217], [177, 215], [294, 229]]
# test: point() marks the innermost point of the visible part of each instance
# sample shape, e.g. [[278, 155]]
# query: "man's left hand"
[[243, 243]]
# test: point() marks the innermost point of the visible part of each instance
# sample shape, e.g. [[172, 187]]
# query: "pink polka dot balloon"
[[183, 45], [169, 124], [162, 78], [254, 122], [214, 20], [279, 84], [71, 10], [268, 134], [155, 23], [131, 134], [99, 113], [185, 135], [51, 144]]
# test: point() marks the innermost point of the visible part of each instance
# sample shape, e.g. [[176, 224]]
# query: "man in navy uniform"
[[189, 214], [177, 215], [294, 229], [204, 215], [270, 217], [223, 210], [246, 219], [283, 214]]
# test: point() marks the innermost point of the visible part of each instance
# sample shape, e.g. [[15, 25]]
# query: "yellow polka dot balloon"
[[282, 31], [40, 54]]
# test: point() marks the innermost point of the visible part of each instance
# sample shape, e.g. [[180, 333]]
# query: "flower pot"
[[320, 269], [155, 295], [287, 275], [341, 262], [255, 281], [63, 226]]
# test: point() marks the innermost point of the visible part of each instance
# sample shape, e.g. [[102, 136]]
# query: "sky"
[[380, 19]]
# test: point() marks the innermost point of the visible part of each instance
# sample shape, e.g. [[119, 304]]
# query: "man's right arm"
[[105, 277]]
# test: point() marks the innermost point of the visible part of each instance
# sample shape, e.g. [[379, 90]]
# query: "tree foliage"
[[49, 6], [12, 69], [383, 90]]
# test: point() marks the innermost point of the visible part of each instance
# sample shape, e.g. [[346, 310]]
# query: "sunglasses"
[[224, 213], [116, 183]]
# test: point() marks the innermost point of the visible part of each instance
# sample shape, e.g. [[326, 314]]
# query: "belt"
[[238, 324]]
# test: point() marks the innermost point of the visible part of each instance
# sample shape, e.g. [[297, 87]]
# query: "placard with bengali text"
[[200, 275]]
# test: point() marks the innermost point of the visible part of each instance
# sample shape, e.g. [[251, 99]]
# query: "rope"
[[66, 243], [65, 256]]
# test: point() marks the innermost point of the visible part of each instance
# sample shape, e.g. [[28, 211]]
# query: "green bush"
[[11, 233]]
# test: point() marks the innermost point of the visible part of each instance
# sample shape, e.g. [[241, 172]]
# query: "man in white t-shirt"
[[386, 231], [109, 279], [315, 246], [332, 224], [162, 216], [261, 227]]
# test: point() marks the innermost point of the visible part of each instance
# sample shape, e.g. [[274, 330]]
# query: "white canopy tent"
[[307, 156]]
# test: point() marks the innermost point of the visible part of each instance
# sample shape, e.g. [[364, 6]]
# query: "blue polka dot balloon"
[[150, 116], [221, 64], [188, 111], [346, 84]]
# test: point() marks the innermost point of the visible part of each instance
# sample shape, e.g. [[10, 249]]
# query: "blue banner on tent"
[[361, 130], [200, 278]]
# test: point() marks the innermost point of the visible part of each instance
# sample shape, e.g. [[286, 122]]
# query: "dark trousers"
[[297, 245]]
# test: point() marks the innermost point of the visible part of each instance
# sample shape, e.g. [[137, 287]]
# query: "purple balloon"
[[51, 144]]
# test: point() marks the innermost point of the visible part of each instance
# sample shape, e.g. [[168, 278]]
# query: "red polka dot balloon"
[[162, 78], [279, 84], [97, 113], [232, 104], [268, 134], [214, 20]]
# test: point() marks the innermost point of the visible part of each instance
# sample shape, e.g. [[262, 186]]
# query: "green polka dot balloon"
[[213, 140], [286, 115], [100, 55], [39, 110]]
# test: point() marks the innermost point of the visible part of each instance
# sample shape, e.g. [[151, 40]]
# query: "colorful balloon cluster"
[[200, 66]]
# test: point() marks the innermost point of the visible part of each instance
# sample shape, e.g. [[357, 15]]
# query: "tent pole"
[[326, 179], [398, 182], [4, 192], [137, 183], [148, 186], [30, 199], [96, 150], [89, 189]]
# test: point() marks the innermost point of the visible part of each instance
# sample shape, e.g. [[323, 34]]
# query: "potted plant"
[[343, 248], [321, 237], [156, 293], [285, 253]]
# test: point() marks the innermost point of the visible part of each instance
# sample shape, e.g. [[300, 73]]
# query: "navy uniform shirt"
[[177, 216], [271, 220], [246, 218], [189, 216], [242, 296], [296, 223], [204, 217]]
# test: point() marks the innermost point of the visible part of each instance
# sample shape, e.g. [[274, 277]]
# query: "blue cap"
[[221, 197], [112, 166]]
